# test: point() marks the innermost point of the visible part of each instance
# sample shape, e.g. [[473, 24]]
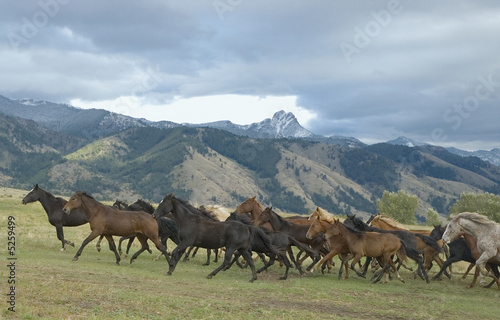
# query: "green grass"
[[51, 286]]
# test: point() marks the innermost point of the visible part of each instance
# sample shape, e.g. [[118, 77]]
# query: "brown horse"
[[336, 242], [254, 208], [429, 251], [109, 221], [371, 244]]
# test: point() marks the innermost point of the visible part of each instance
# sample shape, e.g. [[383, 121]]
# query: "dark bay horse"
[[108, 221], [280, 242], [53, 207], [298, 232], [194, 230]]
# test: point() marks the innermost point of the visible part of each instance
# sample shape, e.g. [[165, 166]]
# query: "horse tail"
[[302, 246], [416, 256], [430, 242], [262, 240]]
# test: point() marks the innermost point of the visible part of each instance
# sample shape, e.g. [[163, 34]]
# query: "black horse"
[[53, 207], [197, 231], [281, 242]]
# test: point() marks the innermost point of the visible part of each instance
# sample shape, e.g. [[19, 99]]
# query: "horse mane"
[[390, 221], [83, 193], [243, 218], [474, 217], [202, 212], [280, 218], [353, 230], [324, 215]]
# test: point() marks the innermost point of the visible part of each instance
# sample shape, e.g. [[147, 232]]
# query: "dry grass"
[[51, 286]]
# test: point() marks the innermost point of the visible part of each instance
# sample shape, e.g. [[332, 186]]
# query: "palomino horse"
[[53, 207], [109, 221], [380, 246], [485, 231], [197, 231]]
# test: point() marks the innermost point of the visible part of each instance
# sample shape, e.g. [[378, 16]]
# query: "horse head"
[[452, 231], [264, 217], [74, 202], [33, 195], [250, 205], [165, 207], [315, 228]]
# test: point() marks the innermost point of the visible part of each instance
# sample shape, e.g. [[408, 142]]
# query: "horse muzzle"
[[66, 210]]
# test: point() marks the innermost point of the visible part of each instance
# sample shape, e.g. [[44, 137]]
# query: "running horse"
[[336, 243], [194, 230], [429, 246], [371, 244], [53, 207], [108, 221], [485, 231]]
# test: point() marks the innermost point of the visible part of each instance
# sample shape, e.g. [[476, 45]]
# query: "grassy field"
[[51, 286]]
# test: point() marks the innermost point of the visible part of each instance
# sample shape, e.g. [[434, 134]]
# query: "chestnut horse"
[[108, 221]]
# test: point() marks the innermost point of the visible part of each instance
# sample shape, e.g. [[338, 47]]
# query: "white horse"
[[485, 231]]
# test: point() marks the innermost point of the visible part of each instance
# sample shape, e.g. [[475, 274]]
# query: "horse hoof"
[[63, 249], [72, 244], [209, 276], [132, 260], [75, 259], [283, 278]]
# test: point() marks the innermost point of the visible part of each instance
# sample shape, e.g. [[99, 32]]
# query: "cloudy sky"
[[374, 70]]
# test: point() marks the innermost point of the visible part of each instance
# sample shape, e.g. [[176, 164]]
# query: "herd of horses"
[[251, 228]]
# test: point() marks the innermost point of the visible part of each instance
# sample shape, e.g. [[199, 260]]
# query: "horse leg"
[[98, 244], [447, 263], [295, 262], [209, 252], [90, 237], [344, 263], [247, 254], [227, 261], [112, 247], [216, 259], [188, 253], [176, 256], [144, 246], [287, 266], [60, 236], [353, 265], [469, 268]]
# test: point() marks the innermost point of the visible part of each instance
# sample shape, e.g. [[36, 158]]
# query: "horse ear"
[[36, 186], [253, 198]]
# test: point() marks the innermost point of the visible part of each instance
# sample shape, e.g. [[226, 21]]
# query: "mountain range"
[[65, 149]]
